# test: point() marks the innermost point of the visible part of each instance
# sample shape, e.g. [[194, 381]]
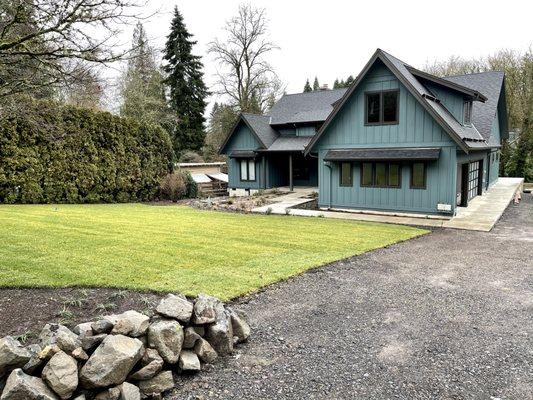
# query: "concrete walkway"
[[480, 215]]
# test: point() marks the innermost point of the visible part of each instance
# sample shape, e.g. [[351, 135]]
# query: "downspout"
[[264, 172], [328, 165]]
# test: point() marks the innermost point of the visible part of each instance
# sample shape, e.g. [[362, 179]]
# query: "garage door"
[[473, 179]]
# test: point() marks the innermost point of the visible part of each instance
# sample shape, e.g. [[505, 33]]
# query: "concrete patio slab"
[[480, 215]]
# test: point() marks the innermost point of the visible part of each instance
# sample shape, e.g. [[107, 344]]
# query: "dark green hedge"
[[51, 153]]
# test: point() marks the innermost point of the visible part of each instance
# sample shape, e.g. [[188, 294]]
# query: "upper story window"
[[382, 108], [467, 113]]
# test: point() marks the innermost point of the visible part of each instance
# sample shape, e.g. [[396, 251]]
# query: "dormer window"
[[381, 108], [467, 113]]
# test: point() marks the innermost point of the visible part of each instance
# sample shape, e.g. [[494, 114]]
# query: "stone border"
[[127, 356]]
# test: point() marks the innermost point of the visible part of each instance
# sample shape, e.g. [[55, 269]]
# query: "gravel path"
[[445, 316]]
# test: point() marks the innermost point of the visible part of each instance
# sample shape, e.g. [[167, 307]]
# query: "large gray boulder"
[[129, 392], [166, 336], [220, 334], [101, 326], [175, 306], [204, 309], [189, 361], [152, 364], [129, 323], [35, 362], [12, 355], [83, 329], [240, 327], [111, 362], [90, 342], [158, 384], [61, 374], [49, 336], [205, 351], [20, 386], [190, 338]]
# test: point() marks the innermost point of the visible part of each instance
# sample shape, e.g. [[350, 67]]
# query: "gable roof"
[[260, 127], [305, 107], [463, 135], [491, 84]]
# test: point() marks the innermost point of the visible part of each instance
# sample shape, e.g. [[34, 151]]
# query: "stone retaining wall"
[[128, 356]]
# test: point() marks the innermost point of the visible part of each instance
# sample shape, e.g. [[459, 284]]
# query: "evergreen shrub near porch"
[[52, 153]]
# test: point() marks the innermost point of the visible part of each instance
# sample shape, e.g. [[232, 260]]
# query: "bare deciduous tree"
[[245, 76], [47, 43]]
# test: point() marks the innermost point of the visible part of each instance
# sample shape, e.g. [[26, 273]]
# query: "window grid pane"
[[366, 179], [373, 107], [418, 176], [346, 174], [394, 175], [390, 106], [381, 174], [244, 170], [251, 170]]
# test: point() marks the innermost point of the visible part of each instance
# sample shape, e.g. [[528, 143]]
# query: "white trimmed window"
[[247, 170]]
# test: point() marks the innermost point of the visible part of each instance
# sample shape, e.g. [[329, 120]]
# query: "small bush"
[[173, 186], [192, 187]]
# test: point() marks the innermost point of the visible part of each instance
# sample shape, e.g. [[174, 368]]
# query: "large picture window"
[[380, 174], [381, 108], [346, 178], [418, 175], [247, 170]]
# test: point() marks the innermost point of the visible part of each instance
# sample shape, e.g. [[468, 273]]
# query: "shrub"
[[173, 186], [192, 186], [53, 153]]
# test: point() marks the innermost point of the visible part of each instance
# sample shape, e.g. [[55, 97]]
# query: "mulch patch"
[[24, 312]]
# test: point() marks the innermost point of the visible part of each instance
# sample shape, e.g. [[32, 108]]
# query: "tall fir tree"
[[187, 89], [336, 84], [307, 87], [142, 88], [349, 81], [316, 85]]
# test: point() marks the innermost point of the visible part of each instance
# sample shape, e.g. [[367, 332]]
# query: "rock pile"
[[128, 356]]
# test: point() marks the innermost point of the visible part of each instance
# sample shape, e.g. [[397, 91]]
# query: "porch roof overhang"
[[376, 154], [243, 154]]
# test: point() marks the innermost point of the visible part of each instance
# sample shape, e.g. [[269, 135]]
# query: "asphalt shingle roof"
[[464, 132], [304, 107], [290, 143], [261, 127], [489, 84]]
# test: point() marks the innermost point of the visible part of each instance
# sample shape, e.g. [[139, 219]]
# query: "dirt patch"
[[23, 312]]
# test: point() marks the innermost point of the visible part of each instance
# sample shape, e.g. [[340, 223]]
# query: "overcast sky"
[[334, 38]]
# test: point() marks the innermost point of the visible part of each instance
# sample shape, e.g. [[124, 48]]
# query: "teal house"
[[397, 140]]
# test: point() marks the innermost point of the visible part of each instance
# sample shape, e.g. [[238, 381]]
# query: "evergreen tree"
[[221, 120], [142, 89], [307, 87], [336, 84], [187, 88], [349, 81], [316, 85]]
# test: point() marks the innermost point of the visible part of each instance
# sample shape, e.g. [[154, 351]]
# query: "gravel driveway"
[[445, 316]]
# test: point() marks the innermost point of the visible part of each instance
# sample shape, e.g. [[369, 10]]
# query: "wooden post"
[[291, 185]]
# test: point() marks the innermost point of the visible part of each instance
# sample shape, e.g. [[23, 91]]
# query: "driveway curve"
[[445, 316]]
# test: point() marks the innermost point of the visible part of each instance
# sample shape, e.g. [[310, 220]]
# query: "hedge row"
[[51, 153]]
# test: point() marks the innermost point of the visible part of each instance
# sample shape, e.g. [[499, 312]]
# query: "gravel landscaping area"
[[448, 316]]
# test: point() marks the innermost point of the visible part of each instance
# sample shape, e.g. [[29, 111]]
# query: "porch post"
[[291, 185]]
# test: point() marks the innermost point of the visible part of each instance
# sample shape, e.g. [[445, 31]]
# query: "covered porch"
[[289, 169]]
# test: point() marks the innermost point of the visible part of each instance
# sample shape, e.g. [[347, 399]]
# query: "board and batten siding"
[[243, 139], [416, 128]]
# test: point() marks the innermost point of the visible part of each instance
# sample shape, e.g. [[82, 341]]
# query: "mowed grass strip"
[[173, 248]]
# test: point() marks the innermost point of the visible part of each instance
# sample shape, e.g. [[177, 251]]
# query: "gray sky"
[[335, 38]]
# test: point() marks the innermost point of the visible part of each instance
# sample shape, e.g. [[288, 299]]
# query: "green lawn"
[[172, 248]]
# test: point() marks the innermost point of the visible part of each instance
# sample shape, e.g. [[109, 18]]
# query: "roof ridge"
[[474, 73], [313, 92]]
